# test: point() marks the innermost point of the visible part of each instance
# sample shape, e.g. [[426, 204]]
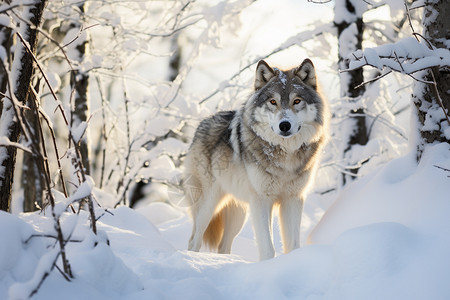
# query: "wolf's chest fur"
[[276, 161], [277, 171]]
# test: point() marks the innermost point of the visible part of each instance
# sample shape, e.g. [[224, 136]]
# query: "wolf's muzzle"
[[285, 126]]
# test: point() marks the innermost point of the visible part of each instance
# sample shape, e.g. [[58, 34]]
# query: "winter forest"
[[100, 100]]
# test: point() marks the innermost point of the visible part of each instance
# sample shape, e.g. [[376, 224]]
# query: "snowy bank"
[[416, 196], [386, 237]]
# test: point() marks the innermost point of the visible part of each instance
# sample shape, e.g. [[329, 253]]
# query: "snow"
[[79, 131], [406, 56], [84, 190], [19, 255], [74, 38], [386, 237], [54, 80], [162, 168], [417, 4], [398, 192], [5, 21], [3, 55], [281, 76], [342, 13]]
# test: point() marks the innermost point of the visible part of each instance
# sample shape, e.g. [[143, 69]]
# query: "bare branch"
[[45, 78], [374, 79], [409, 19], [5, 142], [430, 46], [444, 169], [12, 6], [77, 36], [435, 89], [309, 35]]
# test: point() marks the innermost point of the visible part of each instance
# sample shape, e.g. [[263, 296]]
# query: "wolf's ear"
[[307, 73], [263, 74]]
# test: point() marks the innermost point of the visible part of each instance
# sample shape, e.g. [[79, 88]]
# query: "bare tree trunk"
[[22, 70], [32, 179], [32, 185], [350, 37], [79, 82], [431, 99], [175, 59], [6, 41]]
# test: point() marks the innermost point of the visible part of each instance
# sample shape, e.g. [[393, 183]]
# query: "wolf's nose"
[[285, 126]]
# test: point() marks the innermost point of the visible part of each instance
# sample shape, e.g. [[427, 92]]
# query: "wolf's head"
[[286, 104]]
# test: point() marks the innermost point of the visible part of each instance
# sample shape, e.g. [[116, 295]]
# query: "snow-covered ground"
[[387, 236]]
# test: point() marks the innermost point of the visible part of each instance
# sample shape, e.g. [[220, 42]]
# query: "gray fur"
[[247, 157]]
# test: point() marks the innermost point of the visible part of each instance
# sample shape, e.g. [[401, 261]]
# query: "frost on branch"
[[428, 63], [406, 56]]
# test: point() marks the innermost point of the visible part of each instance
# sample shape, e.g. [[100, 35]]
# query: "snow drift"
[[386, 237]]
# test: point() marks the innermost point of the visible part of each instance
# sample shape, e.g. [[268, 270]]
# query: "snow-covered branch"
[[288, 43], [406, 56]]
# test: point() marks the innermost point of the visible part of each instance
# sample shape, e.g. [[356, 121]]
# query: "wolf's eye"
[[297, 101], [273, 102]]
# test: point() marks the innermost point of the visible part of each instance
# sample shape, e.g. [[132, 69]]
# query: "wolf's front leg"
[[290, 219], [261, 212]]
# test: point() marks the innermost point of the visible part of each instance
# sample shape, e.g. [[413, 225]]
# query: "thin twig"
[[55, 147], [399, 62], [409, 19], [59, 106], [78, 35], [76, 145], [436, 91], [104, 136], [442, 168], [313, 34], [430, 46], [12, 6], [50, 237], [41, 164], [373, 79]]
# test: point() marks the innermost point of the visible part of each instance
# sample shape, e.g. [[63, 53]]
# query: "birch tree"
[[366, 105], [6, 42], [432, 89], [350, 25], [79, 81], [32, 179], [425, 57], [18, 89]]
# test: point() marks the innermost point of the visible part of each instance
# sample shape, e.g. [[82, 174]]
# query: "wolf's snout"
[[285, 126]]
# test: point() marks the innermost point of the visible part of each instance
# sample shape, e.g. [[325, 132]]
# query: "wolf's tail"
[[214, 233], [224, 226]]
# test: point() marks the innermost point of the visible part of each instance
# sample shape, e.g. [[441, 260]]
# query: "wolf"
[[257, 158]]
